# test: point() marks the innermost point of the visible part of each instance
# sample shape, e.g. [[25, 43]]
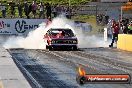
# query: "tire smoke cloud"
[[34, 39]]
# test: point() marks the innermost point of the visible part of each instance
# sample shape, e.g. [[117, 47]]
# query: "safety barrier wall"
[[124, 42], [19, 26], [1, 84]]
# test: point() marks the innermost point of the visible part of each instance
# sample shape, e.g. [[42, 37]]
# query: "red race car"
[[60, 38]]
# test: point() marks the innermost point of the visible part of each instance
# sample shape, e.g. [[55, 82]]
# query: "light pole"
[[121, 13], [96, 13]]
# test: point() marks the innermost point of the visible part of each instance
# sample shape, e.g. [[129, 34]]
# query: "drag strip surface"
[[58, 69]]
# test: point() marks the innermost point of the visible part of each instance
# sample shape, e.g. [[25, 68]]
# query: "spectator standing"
[[20, 9], [130, 28], [63, 10], [29, 10], [54, 11], [125, 26], [97, 19], [41, 9], [58, 10], [103, 20], [0, 6], [48, 10], [115, 32], [100, 18], [12, 9], [34, 8], [26, 7], [68, 13], [106, 19], [3, 9]]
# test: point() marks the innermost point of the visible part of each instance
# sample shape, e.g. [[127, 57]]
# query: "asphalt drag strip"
[[58, 69]]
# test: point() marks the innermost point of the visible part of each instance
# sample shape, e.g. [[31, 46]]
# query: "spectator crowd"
[[123, 26], [33, 10], [102, 19]]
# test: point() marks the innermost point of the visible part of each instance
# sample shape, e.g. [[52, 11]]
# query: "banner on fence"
[[19, 26]]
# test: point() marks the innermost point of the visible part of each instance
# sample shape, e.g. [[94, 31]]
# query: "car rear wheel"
[[74, 48], [49, 48]]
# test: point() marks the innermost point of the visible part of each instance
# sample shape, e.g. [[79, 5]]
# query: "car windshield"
[[65, 32]]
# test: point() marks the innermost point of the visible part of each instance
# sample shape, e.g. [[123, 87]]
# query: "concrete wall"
[[124, 42]]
